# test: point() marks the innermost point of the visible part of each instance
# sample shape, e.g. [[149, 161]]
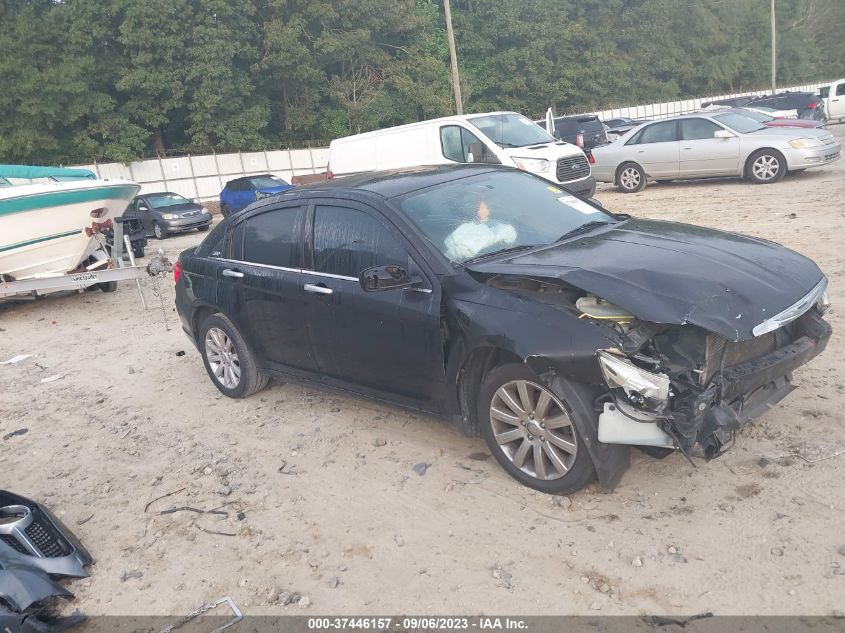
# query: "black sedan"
[[165, 212], [561, 333]]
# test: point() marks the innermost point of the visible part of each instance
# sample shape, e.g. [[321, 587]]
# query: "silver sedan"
[[706, 145]]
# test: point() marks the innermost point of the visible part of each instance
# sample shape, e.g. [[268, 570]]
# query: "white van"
[[500, 138], [833, 97]]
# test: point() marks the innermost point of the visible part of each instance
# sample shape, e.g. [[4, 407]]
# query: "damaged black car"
[[561, 333]]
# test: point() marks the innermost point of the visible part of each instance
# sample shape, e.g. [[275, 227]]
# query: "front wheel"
[[228, 360], [630, 178], [159, 231], [765, 166], [203, 229], [531, 433], [138, 251], [225, 210]]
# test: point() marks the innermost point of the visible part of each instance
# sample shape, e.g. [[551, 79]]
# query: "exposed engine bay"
[[675, 385], [35, 551]]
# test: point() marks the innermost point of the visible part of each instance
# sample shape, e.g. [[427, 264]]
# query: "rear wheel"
[[531, 433], [227, 358], [765, 166], [138, 252], [630, 178]]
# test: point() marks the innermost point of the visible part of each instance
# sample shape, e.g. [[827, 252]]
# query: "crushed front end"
[[680, 385]]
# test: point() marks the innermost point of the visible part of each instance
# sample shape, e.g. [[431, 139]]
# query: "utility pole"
[[774, 57], [456, 80]]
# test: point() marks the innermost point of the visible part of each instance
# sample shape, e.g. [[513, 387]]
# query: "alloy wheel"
[[766, 167], [222, 358], [629, 178], [533, 429], [157, 230]]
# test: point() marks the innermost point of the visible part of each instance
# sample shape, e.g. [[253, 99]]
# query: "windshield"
[[260, 182], [501, 210], [739, 122], [757, 116], [511, 130], [159, 200]]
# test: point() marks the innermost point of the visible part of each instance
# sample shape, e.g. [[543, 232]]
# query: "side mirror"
[[143, 207], [722, 134], [388, 277]]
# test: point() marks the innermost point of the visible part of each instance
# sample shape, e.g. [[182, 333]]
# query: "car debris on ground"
[[35, 551]]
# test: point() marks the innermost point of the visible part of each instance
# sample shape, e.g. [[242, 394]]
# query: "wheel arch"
[[475, 366], [747, 165], [621, 166]]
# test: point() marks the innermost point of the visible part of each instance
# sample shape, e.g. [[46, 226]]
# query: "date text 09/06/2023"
[[414, 623]]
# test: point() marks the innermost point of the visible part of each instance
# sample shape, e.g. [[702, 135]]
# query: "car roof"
[[396, 182], [160, 193]]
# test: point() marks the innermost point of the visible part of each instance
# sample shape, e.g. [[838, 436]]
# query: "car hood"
[[179, 208], [550, 151], [794, 123], [668, 272], [277, 189]]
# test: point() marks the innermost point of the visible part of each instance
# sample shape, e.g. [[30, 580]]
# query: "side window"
[[659, 133], [236, 185], [697, 129], [347, 242], [455, 142], [272, 238], [840, 89], [450, 143]]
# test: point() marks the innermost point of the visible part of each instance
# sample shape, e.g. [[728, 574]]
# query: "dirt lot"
[[322, 498]]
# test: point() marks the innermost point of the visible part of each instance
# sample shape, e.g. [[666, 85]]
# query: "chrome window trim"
[[285, 269], [792, 312]]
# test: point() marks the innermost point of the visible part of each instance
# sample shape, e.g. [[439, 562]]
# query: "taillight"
[[813, 105], [177, 271], [591, 158], [579, 140]]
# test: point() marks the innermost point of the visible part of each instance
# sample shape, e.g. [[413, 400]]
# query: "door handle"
[[228, 272], [320, 290]]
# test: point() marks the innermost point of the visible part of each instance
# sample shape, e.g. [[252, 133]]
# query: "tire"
[[239, 376], [203, 229], [108, 286], [765, 166], [225, 210], [138, 252], [518, 455], [159, 231], [630, 178]]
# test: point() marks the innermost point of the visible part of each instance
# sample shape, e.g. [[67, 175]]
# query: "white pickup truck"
[[834, 100]]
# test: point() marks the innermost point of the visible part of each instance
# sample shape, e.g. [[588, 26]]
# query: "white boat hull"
[[42, 226]]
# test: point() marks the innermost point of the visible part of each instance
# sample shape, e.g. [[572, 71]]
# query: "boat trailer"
[[105, 271]]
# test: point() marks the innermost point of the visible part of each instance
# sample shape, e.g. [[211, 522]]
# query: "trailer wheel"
[[108, 286]]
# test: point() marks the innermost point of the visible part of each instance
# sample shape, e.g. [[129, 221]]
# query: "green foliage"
[[88, 80]]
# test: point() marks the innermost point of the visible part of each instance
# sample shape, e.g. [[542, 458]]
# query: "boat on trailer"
[[46, 218]]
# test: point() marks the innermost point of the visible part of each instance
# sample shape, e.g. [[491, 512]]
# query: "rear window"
[[590, 124], [566, 126]]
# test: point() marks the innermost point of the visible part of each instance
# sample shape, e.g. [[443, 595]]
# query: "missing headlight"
[[638, 393]]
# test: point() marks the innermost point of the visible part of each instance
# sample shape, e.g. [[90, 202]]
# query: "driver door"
[[372, 342]]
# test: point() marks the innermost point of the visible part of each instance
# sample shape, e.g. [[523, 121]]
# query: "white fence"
[[203, 177], [672, 108]]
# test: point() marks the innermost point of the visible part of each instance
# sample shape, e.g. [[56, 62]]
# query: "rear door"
[[260, 288], [372, 342], [657, 149], [704, 155]]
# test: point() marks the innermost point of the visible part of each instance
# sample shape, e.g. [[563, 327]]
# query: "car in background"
[[164, 212], [559, 332], [777, 114], [808, 105], [833, 97], [614, 128], [771, 121], [705, 145], [733, 102], [585, 130], [241, 192]]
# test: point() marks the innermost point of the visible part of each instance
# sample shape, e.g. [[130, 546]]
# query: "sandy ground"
[[322, 499]]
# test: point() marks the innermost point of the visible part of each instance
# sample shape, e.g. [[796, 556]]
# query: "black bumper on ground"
[[584, 188]]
